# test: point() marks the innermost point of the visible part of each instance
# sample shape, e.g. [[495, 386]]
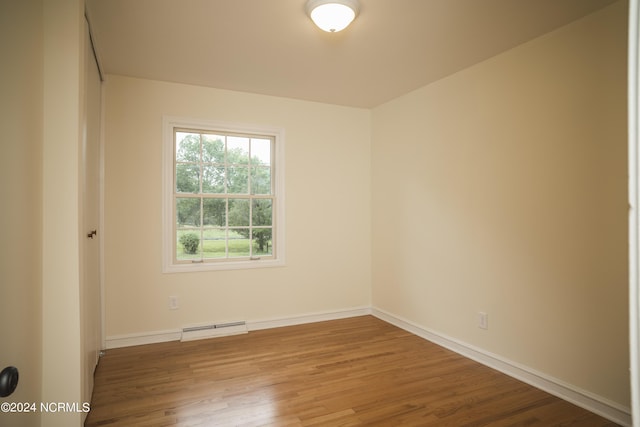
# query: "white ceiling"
[[271, 47]]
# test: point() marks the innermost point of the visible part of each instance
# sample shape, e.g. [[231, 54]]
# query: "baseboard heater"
[[215, 330]]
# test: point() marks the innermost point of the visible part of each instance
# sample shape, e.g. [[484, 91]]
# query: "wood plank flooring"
[[353, 372]]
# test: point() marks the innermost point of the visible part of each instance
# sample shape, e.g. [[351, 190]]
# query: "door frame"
[[634, 210]]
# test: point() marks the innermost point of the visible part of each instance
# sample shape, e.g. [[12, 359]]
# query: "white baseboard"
[[587, 400], [128, 340], [201, 332], [256, 325]]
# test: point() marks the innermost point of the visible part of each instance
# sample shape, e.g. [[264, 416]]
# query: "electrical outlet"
[[483, 320], [173, 303]]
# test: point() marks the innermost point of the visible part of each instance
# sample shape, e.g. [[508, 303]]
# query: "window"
[[223, 196]]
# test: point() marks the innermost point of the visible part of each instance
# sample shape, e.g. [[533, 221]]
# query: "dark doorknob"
[[8, 380]]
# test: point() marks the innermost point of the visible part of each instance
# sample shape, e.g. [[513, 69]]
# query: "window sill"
[[220, 266]]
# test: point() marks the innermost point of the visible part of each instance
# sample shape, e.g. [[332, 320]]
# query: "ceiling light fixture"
[[332, 15]]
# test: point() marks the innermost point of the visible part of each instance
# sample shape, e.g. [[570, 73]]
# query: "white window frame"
[[169, 263]]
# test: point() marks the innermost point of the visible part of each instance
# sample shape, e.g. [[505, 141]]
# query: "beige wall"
[[327, 211], [502, 189], [39, 271], [63, 93], [21, 195]]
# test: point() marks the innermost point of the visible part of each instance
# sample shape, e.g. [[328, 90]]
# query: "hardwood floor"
[[353, 372]]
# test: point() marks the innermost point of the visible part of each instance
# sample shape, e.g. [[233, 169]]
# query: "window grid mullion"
[[226, 227], [200, 165], [250, 227], [201, 179], [201, 228], [249, 170]]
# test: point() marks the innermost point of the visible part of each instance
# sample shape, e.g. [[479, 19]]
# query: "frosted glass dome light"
[[332, 15]]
